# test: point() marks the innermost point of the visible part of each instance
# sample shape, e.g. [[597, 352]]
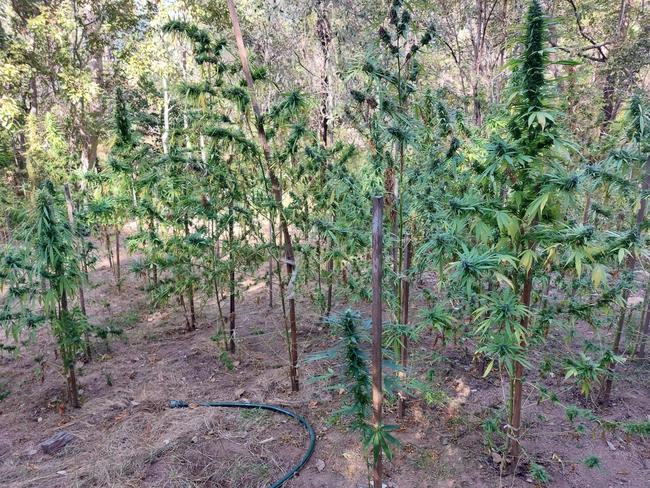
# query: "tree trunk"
[[190, 291], [109, 252], [275, 189], [516, 385], [69, 360]]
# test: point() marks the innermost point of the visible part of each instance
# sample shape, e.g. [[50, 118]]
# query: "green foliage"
[[638, 428], [350, 327], [586, 370], [42, 273], [379, 439], [538, 474], [592, 462]]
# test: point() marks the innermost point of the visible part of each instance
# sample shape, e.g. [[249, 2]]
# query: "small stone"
[[611, 446], [62, 472], [195, 439], [40, 419], [320, 465], [134, 403]]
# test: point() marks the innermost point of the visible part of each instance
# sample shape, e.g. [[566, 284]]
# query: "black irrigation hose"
[[272, 408]]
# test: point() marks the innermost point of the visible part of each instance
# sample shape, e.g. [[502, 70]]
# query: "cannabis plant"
[[42, 275]]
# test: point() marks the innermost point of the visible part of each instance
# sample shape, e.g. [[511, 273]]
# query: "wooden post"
[[404, 319], [377, 272]]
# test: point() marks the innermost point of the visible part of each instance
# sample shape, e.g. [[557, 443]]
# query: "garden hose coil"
[[273, 408]]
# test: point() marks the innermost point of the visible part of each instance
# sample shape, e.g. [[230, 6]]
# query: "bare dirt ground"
[[126, 436]]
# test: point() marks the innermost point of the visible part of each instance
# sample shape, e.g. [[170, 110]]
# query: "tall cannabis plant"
[[41, 272], [386, 82], [511, 226]]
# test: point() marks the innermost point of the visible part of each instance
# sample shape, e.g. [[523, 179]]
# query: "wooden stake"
[[377, 272]]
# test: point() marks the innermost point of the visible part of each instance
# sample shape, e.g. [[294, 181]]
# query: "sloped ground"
[[126, 436]]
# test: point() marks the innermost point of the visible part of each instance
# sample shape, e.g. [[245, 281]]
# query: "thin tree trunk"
[[404, 319], [631, 265], [82, 298], [324, 33], [643, 333], [109, 251], [270, 282], [188, 326], [154, 268], [377, 273], [165, 133], [118, 271], [275, 189], [231, 316], [516, 386], [330, 279], [68, 362], [190, 291]]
